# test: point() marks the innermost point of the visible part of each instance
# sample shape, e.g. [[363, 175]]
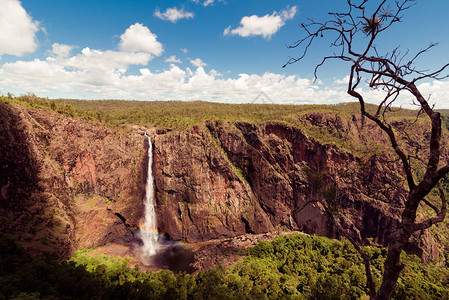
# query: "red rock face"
[[82, 172], [65, 181], [199, 194], [221, 179]]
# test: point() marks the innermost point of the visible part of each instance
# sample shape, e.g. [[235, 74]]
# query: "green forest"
[[293, 266]]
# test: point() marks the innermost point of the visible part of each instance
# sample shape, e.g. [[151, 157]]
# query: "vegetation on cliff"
[[289, 267]]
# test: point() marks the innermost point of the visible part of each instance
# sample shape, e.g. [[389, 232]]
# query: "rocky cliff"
[[220, 179], [69, 183]]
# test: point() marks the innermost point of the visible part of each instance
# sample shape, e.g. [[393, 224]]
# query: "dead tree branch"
[[351, 35]]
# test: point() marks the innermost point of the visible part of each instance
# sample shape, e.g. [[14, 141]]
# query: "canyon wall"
[[219, 179], [68, 183]]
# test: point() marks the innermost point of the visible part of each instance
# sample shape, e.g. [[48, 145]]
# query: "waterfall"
[[148, 228]]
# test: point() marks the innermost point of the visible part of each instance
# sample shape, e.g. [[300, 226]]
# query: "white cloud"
[[173, 59], [138, 38], [184, 50], [436, 91], [85, 71], [209, 2], [98, 74], [266, 26], [96, 60], [17, 29], [173, 14], [206, 2], [344, 80], [61, 50], [227, 31], [102, 75], [198, 62]]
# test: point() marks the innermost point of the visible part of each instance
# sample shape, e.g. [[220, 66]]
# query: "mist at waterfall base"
[[155, 249]]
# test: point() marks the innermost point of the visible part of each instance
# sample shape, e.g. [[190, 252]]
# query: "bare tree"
[[353, 34]]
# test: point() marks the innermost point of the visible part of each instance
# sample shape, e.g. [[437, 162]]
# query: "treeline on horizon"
[[182, 114], [290, 267], [170, 114]]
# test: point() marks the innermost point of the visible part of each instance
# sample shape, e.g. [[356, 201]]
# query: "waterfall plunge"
[[148, 229], [155, 251]]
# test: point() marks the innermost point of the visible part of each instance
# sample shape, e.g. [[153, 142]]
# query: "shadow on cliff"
[[19, 169], [18, 165], [23, 202], [26, 208]]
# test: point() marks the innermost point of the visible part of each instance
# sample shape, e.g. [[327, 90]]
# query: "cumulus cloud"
[[84, 71], [98, 74], [265, 26], [437, 92], [17, 29], [198, 62], [173, 59], [138, 38], [97, 60], [173, 14], [138, 45], [104, 75]]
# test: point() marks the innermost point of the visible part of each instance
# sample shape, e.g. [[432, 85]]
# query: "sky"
[[229, 51]]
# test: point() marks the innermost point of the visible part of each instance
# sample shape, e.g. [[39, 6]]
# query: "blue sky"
[[227, 51]]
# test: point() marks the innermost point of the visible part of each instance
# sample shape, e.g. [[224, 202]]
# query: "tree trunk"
[[392, 265], [398, 240]]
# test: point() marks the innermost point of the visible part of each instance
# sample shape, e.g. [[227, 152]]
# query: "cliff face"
[[68, 183], [220, 179]]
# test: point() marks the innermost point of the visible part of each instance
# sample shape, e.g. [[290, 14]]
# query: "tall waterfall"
[[148, 227]]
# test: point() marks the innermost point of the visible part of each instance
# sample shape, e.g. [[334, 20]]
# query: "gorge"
[[68, 183]]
